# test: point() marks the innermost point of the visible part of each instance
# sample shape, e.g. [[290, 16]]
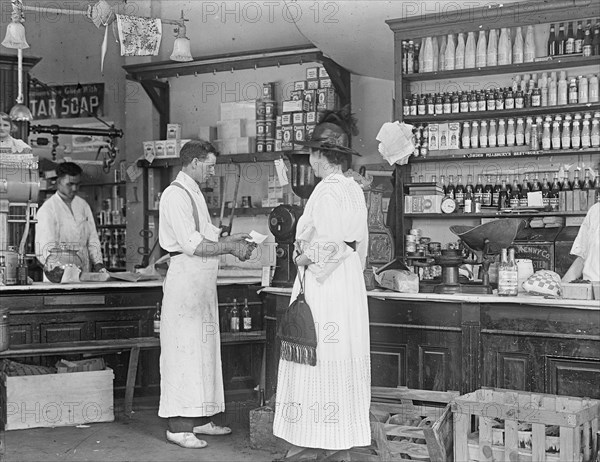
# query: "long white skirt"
[[327, 406]]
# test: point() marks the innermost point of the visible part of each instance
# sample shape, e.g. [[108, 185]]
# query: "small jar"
[[499, 95], [455, 101], [447, 104], [472, 102], [421, 105], [439, 104], [491, 100], [509, 100], [430, 104], [481, 101], [464, 102]]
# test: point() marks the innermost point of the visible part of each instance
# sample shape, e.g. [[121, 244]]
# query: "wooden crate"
[[476, 416], [54, 400], [408, 424]]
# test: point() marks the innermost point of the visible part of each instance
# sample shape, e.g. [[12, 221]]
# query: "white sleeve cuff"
[[192, 243]]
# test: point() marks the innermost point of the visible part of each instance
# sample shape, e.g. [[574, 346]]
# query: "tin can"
[[260, 145], [435, 247], [411, 238], [261, 109], [269, 129], [270, 145], [261, 127], [269, 109], [268, 90], [411, 247]]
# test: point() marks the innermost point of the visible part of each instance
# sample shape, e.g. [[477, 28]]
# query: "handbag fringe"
[[301, 354]]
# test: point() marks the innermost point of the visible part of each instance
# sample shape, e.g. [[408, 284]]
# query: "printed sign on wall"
[[67, 101]]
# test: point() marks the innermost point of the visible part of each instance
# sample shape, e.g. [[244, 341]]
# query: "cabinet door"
[[573, 376]]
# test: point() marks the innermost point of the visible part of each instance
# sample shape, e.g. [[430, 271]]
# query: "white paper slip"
[[534, 199], [281, 170], [256, 237]]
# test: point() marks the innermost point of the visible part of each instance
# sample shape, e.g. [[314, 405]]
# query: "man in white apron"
[[66, 218], [191, 382]]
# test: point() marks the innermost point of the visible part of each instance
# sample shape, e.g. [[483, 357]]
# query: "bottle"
[[439, 104], [593, 94], [410, 57], [570, 44], [534, 137], [510, 132], [468, 201], [419, 56], [492, 138], [451, 189], [554, 193], [499, 96], [573, 94], [481, 101], [488, 192], [443, 183], [529, 54], [430, 104], [576, 184], [404, 57], [582, 85], [478, 194], [492, 49], [3, 270], [22, 271], [503, 198], [528, 124], [490, 98], [504, 50], [519, 100], [481, 51], [543, 86], [234, 315], [509, 100], [536, 97], [546, 137], [546, 192], [501, 136], [517, 51], [472, 101], [566, 133], [535, 184], [595, 133], [566, 185], [585, 134], [483, 134], [576, 133], [464, 102], [447, 104], [520, 132], [579, 38], [474, 134], [422, 105], [597, 185], [246, 317], [436, 52], [552, 42], [455, 102], [515, 194], [156, 321], [427, 55], [416, 59], [450, 50], [459, 194], [587, 46], [470, 51], [459, 53], [525, 188], [508, 276], [556, 135], [561, 40], [466, 135], [442, 54], [596, 39], [552, 92], [587, 182]]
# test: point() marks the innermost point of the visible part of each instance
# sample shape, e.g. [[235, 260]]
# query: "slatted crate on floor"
[[515, 412], [408, 424]]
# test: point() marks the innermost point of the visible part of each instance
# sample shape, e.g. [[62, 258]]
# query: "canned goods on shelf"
[[269, 109], [270, 145], [411, 238], [411, 247], [268, 90], [261, 110], [425, 240], [261, 127], [270, 129]]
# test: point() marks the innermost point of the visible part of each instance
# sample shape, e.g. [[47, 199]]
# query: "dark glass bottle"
[[596, 39], [439, 104], [156, 321], [488, 192], [459, 194], [554, 193], [416, 58], [430, 104], [587, 182], [566, 185], [503, 199], [469, 205], [525, 188], [535, 184], [576, 183], [561, 40], [570, 43], [455, 101], [515, 195], [496, 191], [422, 105], [509, 100], [579, 38], [479, 190], [22, 271], [447, 103], [546, 188], [451, 188], [587, 47], [464, 101], [410, 57], [443, 183], [552, 41]]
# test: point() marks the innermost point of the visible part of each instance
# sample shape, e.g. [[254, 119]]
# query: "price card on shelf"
[[281, 170]]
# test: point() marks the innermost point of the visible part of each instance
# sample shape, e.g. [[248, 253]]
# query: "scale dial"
[[448, 205]]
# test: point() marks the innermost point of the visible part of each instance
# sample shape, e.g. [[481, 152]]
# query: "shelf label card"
[[281, 170]]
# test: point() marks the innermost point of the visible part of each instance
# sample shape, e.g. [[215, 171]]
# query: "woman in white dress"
[[324, 408]]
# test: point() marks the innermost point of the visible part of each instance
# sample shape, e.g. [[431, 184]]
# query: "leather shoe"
[[186, 440], [212, 429]]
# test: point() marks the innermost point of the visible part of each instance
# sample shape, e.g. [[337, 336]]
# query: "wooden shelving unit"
[[492, 214], [492, 153]]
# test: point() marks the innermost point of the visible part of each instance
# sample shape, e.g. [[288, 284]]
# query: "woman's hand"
[[302, 260]]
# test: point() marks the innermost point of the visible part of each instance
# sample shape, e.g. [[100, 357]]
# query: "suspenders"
[[194, 206]]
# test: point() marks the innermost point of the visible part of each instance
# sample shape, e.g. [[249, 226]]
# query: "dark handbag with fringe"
[[297, 332]]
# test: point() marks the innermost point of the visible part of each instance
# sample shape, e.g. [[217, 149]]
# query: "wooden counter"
[[57, 313], [463, 342]]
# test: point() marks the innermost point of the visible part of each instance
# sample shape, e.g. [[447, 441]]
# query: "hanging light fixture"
[[15, 39], [181, 47]]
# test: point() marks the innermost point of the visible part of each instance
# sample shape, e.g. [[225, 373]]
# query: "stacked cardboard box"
[[236, 131], [168, 148]]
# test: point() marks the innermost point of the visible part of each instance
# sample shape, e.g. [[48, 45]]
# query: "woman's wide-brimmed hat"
[[331, 137]]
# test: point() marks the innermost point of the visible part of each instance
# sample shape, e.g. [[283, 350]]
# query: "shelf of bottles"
[[238, 318], [503, 198], [111, 224]]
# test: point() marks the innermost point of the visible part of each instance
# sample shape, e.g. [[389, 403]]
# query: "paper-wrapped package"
[[397, 280]]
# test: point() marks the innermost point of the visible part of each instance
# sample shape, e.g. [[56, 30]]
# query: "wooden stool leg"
[[131, 374]]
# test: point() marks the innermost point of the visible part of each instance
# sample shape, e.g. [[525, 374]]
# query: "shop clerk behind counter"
[[66, 218]]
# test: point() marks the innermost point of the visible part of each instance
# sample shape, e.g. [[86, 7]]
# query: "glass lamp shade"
[[20, 113], [15, 36], [181, 50]]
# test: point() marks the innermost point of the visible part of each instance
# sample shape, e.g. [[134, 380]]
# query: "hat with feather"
[[333, 132]]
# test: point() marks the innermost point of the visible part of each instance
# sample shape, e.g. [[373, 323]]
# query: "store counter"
[[463, 342]]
